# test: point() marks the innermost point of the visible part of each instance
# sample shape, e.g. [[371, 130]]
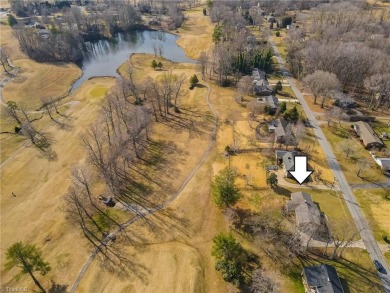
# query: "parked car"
[[379, 267]]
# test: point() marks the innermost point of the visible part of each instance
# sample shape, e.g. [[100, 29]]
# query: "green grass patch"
[[296, 279], [387, 257], [332, 204], [98, 91], [380, 127], [356, 270], [286, 92], [375, 199]]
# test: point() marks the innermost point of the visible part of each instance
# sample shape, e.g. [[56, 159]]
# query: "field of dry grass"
[[184, 263], [195, 34], [40, 80], [52, 179], [39, 186], [173, 254], [35, 80], [280, 42]]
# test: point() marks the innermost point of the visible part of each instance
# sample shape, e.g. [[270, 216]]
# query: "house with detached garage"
[[367, 135], [322, 278]]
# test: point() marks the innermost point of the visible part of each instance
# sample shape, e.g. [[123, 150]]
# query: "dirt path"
[[158, 208]]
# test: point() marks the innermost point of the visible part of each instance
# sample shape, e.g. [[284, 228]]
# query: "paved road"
[[357, 215], [145, 212]]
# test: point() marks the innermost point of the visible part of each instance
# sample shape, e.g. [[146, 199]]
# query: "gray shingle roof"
[[366, 133], [306, 211], [288, 160], [272, 101], [324, 278], [280, 127]]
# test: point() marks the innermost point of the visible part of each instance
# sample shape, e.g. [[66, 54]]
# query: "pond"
[[104, 57]]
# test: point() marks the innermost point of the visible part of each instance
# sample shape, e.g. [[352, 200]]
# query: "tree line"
[[236, 50], [65, 38], [345, 46], [118, 147]]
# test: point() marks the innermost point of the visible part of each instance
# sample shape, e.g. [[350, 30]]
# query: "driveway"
[[311, 185], [357, 215]]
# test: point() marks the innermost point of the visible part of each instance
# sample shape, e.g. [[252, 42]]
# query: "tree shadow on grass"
[[57, 288], [353, 275], [282, 191]]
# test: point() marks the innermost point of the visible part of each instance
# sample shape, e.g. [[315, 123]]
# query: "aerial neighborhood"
[[195, 146]]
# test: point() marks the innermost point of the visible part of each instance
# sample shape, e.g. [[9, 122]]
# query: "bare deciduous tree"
[[245, 86], [333, 112], [4, 59], [362, 164], [321, 83], [346, 148], [261, 283]]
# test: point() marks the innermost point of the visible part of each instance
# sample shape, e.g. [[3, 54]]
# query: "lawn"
[[337, 134], [309, 98], [280, 42], [380, 127], [286, 92], [376, 209], [40, 80], [195, 34], [48, 181], [355, 269], [333, 205]]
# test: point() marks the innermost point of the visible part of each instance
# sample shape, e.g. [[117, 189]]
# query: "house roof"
[[324, 278], [288, 160], [280, 127], [280, 153], [258, 73], [306, 211], [367, 133], [385, 163], [270, 100]]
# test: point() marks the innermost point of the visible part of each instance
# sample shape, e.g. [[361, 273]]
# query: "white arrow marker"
[[300, 172]]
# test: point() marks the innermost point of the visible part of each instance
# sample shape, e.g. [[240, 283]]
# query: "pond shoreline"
[[106, 56]]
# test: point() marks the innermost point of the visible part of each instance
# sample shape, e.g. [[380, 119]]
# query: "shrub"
[[194, 80], [283, 107], [278, 87], [230, 258], [278, 33], [12, 20], [154, 64]]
